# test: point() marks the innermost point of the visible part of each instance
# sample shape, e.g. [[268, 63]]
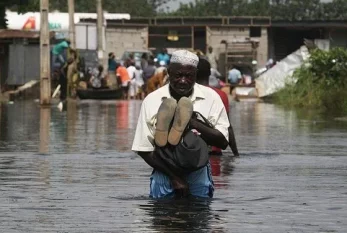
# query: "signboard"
[[57, 21], [322, 44]]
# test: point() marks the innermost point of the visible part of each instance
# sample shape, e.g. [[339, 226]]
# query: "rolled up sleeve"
[[143, 140]]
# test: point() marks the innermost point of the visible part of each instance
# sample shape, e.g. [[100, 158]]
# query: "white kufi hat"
[[184, 57]]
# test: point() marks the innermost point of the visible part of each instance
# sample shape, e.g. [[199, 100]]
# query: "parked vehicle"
[[137, 53]]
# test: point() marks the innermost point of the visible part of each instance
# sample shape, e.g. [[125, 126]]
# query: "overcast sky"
[[174, 4]]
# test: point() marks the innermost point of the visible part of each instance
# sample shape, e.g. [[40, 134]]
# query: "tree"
[[133, 7], [277, 9], [337, 9], [4, 4]]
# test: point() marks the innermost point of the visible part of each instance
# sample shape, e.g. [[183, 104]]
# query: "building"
[[19, 57], [277, 38], [185, 32], [286, 37]]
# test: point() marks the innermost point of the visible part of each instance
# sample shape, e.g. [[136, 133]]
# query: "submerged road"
[[74, 172]]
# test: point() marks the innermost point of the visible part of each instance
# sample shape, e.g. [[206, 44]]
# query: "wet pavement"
[[74, 172]]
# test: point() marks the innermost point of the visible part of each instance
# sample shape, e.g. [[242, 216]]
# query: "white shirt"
[[205, 101], [138, 77], [212, 58], [131, 71], [215, 73]]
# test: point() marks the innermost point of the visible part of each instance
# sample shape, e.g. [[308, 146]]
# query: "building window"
[[255, 32]]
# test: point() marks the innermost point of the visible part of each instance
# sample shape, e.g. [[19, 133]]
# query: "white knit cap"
[[184, 57]]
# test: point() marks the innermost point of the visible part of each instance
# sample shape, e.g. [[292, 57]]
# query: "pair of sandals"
[[172, 120]]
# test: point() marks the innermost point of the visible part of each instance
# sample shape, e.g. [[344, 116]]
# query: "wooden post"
[[72, 37], [45, 119], [71, 6], [45, 80], [192, 35], [99, 30]]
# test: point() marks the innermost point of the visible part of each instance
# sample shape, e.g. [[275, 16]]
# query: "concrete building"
[[185, 32], [277, 38], [19, 57], [286, 37]]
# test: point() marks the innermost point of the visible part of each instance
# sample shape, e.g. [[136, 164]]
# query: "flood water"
[[74, 172]]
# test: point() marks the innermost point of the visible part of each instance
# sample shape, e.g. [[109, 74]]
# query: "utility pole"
[[45, 81], [72, 36], [71, 6], [45, 119], [99, 30]]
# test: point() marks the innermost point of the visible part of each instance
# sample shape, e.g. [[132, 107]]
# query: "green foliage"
[[321, 83], [277, 9], [133, 7]]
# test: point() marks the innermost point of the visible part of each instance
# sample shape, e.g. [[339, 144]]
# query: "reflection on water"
[[73, 171], [99, 127], [176, 215], [45, 119], [87, 127], [221, 167]]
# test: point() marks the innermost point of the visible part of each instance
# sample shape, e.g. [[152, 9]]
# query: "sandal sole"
[[182, 117], [165, 115]]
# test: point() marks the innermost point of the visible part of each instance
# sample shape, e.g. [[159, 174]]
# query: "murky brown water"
[[74, 172]]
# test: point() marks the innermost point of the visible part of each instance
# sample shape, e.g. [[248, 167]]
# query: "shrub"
[[320, 83]]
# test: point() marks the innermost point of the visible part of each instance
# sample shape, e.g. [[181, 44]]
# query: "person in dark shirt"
[[144, 61], [112, 71], [204, 72]]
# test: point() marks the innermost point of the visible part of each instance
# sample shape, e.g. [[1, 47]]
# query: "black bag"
[[191, 154]]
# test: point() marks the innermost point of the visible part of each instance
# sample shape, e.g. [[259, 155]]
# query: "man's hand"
[[181, 187], [210, 135]]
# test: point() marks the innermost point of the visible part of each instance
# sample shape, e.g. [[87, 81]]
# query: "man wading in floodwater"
[[166, 115]]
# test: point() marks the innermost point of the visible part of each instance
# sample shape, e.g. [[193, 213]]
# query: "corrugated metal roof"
[[10, 34]]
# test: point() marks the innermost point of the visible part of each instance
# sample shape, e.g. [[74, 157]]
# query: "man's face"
[[210, 49], [182, 78]]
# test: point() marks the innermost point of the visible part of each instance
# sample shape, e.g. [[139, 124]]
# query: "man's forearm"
[[211, 136], [232, 141], [157, 163]]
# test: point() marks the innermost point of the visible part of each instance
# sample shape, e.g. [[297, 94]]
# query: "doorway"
[[200, 39]]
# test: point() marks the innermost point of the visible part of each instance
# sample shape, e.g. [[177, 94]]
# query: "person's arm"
[[232, 141], [219, 135], [61, 58], [211, 136], [217, 73], [180, 186], [143, 144], [65, 44], [153, 160]]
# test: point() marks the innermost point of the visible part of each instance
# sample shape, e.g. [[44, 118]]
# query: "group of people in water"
[[136, 80]]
